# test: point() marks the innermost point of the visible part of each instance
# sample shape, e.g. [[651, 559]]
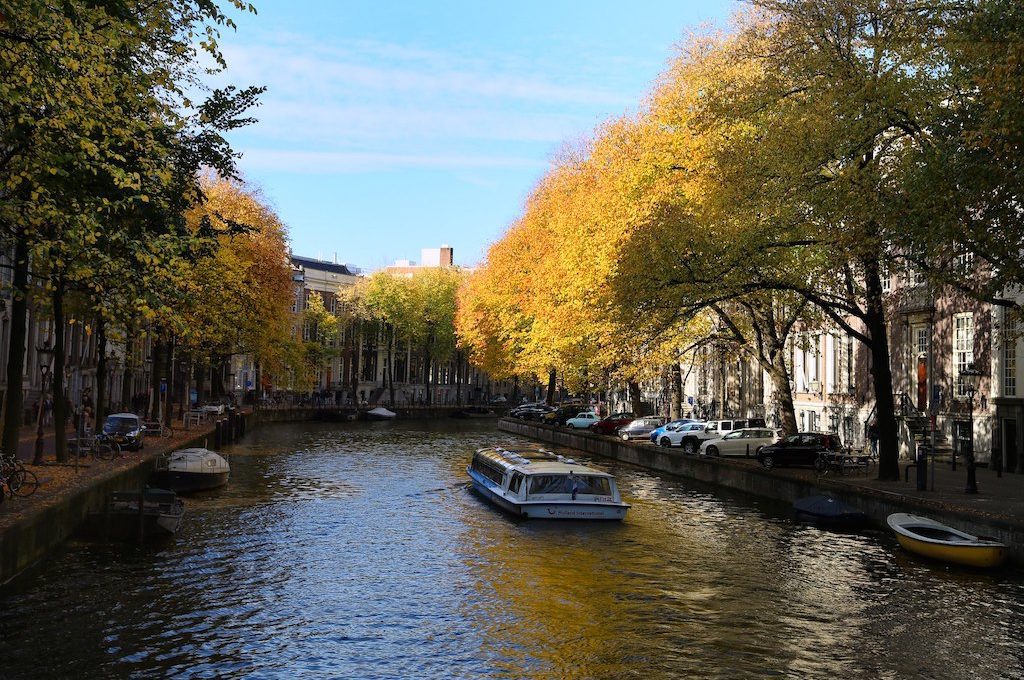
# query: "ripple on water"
[[359, 551]]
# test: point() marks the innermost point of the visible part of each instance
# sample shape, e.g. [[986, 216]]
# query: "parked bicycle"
[[16, 480], [158, 429], [846, 462], [99, 447]]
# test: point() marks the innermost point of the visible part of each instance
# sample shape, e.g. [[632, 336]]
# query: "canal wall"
[[44, 527], [782, 485]]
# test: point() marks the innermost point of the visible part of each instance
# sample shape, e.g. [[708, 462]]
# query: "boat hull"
[[551, 510], [189, 481], [934, 540], [981, 556]]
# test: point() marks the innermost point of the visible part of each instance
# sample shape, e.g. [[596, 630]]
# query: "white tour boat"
[[542, 484]]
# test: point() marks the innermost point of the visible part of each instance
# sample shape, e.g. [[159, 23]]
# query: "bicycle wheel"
[[821, 465], [24, 483], [166, 432], [104, 450]]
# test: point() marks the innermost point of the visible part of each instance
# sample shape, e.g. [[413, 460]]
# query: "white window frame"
[[963, 350], [1009, 367]]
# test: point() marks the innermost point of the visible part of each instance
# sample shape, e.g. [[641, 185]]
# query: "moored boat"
[[193, 469], [380, 413], [929, 538], [828, 512], [541, 484], [134, 515]]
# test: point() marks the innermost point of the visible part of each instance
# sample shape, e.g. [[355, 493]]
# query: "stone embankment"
[[996, 512]]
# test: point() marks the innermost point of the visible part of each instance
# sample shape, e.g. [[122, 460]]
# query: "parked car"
[[613, 422], [534, 413], [640, 428], [531, 408], [561, 414], [126, 429], [716, 429], [798, 449], [582, 421], [746, 442], [670, 427], [675, 437]]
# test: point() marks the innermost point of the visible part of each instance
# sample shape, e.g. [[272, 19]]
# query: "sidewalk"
[[997, 497]]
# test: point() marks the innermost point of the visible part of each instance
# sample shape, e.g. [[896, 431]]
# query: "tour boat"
[[541, 484], [134, 515], [191, 470], [936, 540]]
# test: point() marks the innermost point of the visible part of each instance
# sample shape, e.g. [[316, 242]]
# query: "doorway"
[[922, 384], [1010, 453]]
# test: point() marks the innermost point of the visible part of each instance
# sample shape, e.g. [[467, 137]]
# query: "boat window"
[[585, 484], [517, 481], [490, 472]]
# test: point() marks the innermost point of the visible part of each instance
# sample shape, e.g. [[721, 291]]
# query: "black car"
[[802, 448], [532, 412], [126, 429], [562, 414]]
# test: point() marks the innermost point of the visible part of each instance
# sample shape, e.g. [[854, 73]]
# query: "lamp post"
[[44, 374], [971, 377]]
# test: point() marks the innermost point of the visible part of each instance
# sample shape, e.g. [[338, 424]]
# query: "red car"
[[612, 423]]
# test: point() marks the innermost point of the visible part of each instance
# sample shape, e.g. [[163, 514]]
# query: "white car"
[[675, 437], [746, 442], [582, 421]]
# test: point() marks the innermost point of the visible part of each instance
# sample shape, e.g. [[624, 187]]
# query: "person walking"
[[873, 437]]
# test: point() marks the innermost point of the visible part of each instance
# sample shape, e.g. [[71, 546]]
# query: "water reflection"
[[360, 552]]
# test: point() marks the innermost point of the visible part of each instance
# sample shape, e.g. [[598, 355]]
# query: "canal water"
[[359, 552]]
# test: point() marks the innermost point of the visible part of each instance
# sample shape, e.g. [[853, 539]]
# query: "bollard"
[[922, 468]]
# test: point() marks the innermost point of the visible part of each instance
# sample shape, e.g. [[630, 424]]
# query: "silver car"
[[746, 442], [641, 428]]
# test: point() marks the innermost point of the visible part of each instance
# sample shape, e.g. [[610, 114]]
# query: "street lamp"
[[971, 377], [44, 373]]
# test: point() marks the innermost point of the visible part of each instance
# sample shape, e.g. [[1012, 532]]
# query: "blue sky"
[[393, 126]]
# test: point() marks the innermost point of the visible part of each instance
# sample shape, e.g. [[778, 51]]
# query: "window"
[[1009, 367], [517, 481], [921, 340], [963, 349], [963, 261], [850, 359]]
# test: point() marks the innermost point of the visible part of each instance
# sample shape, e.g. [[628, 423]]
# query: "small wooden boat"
[[134, 515], [936, 540], [191, 470], [829, 512]]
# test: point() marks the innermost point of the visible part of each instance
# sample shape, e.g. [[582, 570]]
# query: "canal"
[[358, 552]]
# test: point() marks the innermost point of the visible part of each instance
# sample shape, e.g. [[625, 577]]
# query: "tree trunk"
[[60, 408], [14, 399], [200, 377], [127, 398], [391, 363], [356, 352], [157, 350], [100, 407], [784, 398], [881, 374], [168, 374], [459, 378], [429, 377], [515, 391], [676, 408], [634, 397], [550, 398]]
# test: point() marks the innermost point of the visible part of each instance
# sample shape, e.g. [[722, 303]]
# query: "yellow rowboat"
[[936, 540]]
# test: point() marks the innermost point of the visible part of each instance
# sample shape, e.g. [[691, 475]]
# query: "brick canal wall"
[[783, 485], [44, 528]]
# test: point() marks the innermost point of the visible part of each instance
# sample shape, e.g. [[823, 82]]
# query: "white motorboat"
[[541, 484], [191, 470], [380, 413]]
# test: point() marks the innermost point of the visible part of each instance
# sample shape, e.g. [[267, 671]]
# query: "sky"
[[388, 127]]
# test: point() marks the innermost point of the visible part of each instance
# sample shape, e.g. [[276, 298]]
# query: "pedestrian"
[[873, 437], [48, 410]]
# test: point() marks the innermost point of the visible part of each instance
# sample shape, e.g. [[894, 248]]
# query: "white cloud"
[[349, 162]]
